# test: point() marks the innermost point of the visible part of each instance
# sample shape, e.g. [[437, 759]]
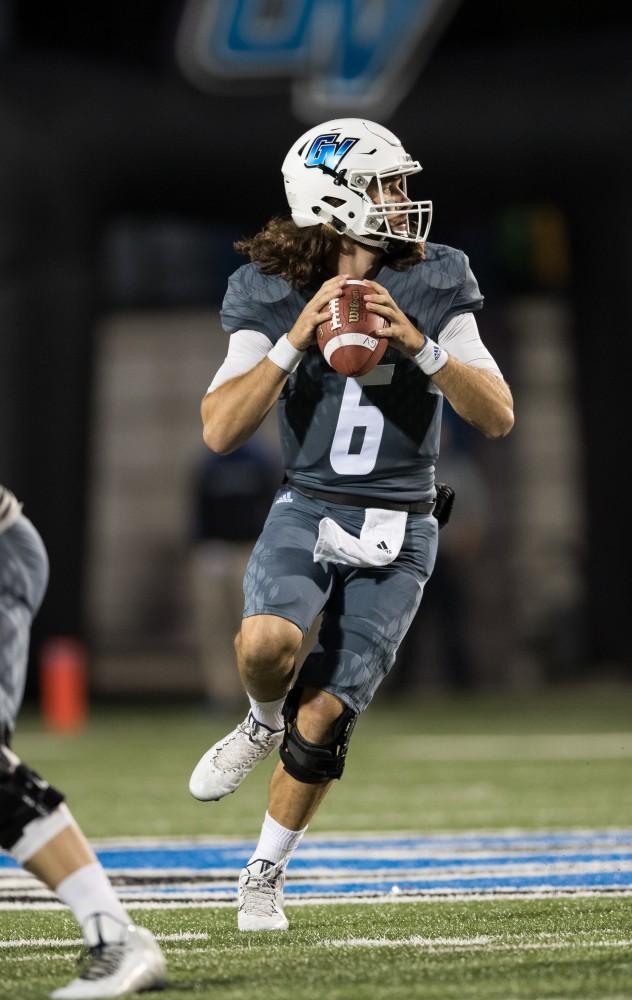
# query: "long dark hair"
[[301, 255]]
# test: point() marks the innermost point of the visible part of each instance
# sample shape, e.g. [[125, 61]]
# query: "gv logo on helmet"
[[328, 150]]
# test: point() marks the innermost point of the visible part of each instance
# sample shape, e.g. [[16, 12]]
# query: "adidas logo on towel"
[[384, 547], [285, 498]]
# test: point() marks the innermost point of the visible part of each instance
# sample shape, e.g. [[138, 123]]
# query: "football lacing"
[[334, 307]]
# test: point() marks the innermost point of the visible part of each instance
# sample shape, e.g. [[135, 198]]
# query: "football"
[[348, 340]]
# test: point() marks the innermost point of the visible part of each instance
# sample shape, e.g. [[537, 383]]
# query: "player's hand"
[[401, 332], [315, 312]]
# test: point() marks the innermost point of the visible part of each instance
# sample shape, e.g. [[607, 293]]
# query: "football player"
[[36, 827], [351, 534]]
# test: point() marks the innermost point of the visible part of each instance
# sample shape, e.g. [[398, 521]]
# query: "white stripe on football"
[[349, 340]]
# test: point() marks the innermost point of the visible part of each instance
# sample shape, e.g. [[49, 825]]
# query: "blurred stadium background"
[[138, 140]]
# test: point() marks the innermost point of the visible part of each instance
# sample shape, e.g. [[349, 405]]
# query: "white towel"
[[379, 543]]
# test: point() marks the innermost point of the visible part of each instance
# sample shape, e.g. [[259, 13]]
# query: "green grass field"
[[535, 950], [559, 761]]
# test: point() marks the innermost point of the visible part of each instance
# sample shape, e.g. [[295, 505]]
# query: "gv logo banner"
[[342, 56]]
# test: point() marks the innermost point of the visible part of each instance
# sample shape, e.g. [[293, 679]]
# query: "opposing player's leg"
[[284, 592], [363, 626], [36, 827], [38, 830]]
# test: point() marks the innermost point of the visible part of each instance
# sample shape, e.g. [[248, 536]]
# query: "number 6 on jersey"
[[355, 415]]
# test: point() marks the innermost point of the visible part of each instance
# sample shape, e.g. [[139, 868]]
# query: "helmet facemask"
[[377, 223]]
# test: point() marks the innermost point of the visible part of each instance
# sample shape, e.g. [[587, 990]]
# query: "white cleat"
[[114, 968], [223, 768], [260, 897]]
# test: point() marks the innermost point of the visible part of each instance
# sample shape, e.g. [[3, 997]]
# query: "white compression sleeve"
[[246, 348], [461, 339]]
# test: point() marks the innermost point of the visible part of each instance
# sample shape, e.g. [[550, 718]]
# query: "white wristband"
[[284, 355], [431, 358]]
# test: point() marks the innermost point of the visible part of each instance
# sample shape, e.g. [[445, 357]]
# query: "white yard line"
[[486, 943], [438, 944], [74, 942], [413, 941], [431, 897]]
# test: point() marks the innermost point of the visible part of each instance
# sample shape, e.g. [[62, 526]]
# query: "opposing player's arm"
[[253, 375], [468, 377]]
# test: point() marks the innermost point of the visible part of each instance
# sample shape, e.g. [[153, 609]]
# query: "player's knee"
[[267, 642], [330, 724], [317, 714], [29, 808]]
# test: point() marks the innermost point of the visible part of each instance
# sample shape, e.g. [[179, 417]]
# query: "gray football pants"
[[366, 612], [23, 581]]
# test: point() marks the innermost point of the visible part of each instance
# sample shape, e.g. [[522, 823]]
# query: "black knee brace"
[[314, 763], [24, 796]]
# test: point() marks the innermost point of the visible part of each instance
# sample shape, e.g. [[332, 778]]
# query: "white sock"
[[276, 842], [88, 891], [268, 713]]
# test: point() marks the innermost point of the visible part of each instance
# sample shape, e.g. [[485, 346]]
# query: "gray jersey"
[[377, 435]]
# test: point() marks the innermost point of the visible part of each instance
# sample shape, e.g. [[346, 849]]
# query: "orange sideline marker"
[[63, 687]]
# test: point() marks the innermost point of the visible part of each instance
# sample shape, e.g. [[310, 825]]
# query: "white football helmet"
[[327, 173]]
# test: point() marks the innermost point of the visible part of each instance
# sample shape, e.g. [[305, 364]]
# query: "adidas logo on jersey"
[[285, 498]]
